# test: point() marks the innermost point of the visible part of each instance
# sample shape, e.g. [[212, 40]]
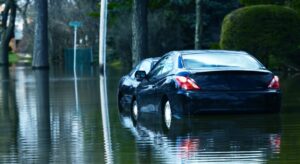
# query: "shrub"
[[294, 4], [262, 30]]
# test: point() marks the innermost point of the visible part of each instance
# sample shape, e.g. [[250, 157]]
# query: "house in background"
[[18, 35], [19, 26]]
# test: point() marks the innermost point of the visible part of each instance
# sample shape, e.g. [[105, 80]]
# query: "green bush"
[[262, 30], [294, 4], [261, 2]]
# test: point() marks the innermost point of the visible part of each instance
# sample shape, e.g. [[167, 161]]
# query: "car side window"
[[163, 66], [131, 74], [145, 66], [168, 66], [157, 68]]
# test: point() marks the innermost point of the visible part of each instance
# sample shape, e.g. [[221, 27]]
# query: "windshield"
[[212, 60]]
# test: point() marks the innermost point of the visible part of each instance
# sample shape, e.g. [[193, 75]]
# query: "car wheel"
[[134, 111], [167, 115]]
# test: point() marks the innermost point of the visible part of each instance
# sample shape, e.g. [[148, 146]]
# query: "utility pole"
[[102, 37], [103, 85]]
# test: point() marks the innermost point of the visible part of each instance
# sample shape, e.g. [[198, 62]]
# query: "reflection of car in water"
[[221, 138], [128, 84], [191, 82]]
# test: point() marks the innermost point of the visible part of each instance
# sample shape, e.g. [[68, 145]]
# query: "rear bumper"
[[193, 102]]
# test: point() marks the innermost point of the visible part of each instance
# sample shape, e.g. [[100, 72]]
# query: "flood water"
[[54, 117]]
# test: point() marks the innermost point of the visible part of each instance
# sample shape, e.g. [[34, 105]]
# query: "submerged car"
[[128, 84], [197, 81]]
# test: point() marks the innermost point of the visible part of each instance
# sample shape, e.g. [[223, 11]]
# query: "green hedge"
[[294, 4], [262, 30], [261, 2]]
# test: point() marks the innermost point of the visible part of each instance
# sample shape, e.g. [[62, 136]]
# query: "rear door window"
[[163, 66]]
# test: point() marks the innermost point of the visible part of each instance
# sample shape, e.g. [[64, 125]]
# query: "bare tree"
[[61, 35], [198, 24], [139, 31], [7, 29], [40, 49], [23, 10]]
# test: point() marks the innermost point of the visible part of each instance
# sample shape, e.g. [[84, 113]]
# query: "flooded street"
[[52, 117]]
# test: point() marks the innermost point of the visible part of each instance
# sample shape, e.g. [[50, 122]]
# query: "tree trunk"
[[198, 25], [139, 31], [7, 29], [40, 48]]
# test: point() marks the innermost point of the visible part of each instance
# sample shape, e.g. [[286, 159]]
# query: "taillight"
[[187, 83], [274, 84]]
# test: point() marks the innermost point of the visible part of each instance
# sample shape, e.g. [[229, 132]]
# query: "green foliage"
[[171, 25], [260, 2], [214, 46], [294, 4], [262, 30], [13, 57]]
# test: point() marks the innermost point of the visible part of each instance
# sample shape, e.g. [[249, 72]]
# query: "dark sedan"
[[191, 82], [128, 84]]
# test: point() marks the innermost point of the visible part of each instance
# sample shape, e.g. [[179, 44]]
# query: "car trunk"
[[232, 80]]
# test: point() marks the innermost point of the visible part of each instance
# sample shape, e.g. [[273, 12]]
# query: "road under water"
[[54, 117]]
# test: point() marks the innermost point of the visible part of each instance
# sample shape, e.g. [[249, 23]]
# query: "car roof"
[[187, 52], [152, 59]]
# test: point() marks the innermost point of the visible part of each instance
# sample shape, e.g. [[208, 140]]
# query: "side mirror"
[[140, 75]]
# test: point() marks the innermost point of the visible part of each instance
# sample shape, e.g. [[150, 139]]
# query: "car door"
[[147, 90], [130, 83]]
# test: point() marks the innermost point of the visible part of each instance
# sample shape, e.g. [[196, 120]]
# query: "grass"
[[13, 58], [115, 64]]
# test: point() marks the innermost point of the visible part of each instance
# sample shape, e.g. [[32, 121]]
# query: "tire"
[[167, 115], [134, 112]]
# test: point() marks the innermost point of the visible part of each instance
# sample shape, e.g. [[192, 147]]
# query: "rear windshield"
[[212, 60]]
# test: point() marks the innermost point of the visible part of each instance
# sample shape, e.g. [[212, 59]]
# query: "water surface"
[[54, 117]]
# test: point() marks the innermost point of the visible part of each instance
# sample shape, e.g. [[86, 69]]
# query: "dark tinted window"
[[143, 66], [163, 66], [212, 60], [131, 74]]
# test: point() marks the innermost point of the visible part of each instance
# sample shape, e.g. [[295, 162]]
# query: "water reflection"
[[40, 122], [4, 87], [220, 139], [8, 118], [33, 116], [105, 119]]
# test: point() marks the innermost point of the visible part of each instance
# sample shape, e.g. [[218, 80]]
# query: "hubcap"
[[135, 110], [168, 115]]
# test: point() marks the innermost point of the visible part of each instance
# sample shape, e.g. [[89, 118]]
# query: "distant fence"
[[84, 56]]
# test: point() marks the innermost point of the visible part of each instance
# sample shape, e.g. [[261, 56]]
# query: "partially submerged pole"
[[103, 85], [102, 37]]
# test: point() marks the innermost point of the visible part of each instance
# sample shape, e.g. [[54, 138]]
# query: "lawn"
[[13, 58]]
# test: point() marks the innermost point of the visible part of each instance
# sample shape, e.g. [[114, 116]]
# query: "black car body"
[[128, 84], [189, 82]]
